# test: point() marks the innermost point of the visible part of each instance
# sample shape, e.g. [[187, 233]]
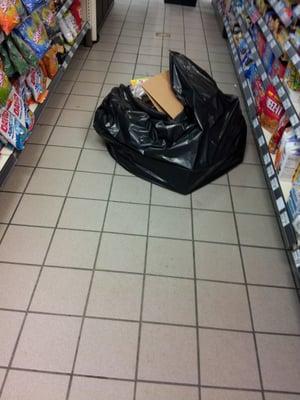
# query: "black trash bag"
[[204, 142]]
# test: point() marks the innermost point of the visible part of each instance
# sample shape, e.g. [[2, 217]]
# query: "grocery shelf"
[[7, 161], [64, 8], [279, 190]]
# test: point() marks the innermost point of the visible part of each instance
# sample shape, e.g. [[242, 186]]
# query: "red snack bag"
[[272, 110], [76, 11]]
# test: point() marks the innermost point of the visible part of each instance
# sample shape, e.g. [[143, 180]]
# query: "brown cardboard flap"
[[159, 89]]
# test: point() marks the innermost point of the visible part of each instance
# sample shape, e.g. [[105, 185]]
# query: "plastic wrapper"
[[51, 63], [66, 31], [16, 58], [20, 8], [75, 9], [272, 110], [205, 141], [71, 23], [26, 51], [18, 106], [5, 88], [12, 130], [9, 17], [32, 5], [36, 82], [8, 67], [33, 31], [49, 19]]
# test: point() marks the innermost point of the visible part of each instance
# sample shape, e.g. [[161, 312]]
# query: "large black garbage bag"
[[205, 141]]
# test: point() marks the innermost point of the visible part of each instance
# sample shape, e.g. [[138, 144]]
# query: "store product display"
[[265, 35], [177, 129], [31, 53]]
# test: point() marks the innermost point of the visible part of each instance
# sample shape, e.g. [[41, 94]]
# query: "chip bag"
[[49, 19], [31, 5], [66, 31], [16, 57], [33, 31], [9, 17], [272, 110], [26, 51], [5, 88], [7, 64], [12, 130], [51, 62], [37, 83], [75, 9], [20, 8]]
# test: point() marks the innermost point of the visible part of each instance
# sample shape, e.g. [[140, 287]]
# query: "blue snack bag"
[[32, 5], [33, 32], [12, 130]]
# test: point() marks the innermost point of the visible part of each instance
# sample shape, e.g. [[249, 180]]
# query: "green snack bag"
[[16, 57], [26, 51], [7, 64], [5, 88]]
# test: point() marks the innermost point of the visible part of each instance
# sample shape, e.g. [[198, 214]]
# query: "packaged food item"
[[16, 58], [71, 23], [292, 77], [16, 106], [287, 156], [268, 58], [5, 88], [20, 8], [33, 31], [261, 43], [51, 63], [32, 5], [258, 92], [49, 19], [26, 51], [66, 31], [9, 17], [276, 136], [278, 68], [12, 130], [75, 9], [271, 110], [37, 83], [7, 64]]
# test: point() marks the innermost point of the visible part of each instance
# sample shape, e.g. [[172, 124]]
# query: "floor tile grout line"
[[259, 369], [97, 250], [41, 268]]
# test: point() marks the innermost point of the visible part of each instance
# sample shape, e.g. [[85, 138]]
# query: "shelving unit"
[[8, 155], [279, 189]]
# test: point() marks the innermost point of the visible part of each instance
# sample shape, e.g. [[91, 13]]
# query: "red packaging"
[[258, 93], [271, 110], [76, 12], [261, 43], [278, 68], [276, 137]]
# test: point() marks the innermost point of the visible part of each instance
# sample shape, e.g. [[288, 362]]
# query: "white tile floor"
[[112, 288]]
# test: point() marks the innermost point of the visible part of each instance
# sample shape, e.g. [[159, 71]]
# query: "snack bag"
[[276, 137], [16, 58], [75, 9], [16, 106], [12, 130], [71, 23], [33, 31], [36, 82], [272, 110], [7, 64], [9, 17], [31, 5], [66, 31], [5, 88], [51, 63], [49, 19], [20, 8], [292, 77], [26, 51]]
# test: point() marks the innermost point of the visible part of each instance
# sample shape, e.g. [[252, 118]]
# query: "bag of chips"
[[66, 31], [37, 82], [32, 5], [75, 9], [26, 51], [49, 19], [33, 31], [12, 130], [9, 17], [20, 8], [5, 88], [51, 63], [71, 24], [16, 58], [7, 64], [272, 110]]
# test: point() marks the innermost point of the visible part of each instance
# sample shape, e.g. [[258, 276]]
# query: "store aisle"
[[112, 288]]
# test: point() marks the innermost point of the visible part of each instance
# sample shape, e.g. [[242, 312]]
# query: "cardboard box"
[[160, 92]]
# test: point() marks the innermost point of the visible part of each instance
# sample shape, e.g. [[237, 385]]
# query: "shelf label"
[[287, 46], [240, 70], [273, 44], [267, 159], [294, 119], [286, 104], [274, 184], [295, 59], [284, 218], [280, 204], [270, 171], [258, 62], [249, 101], [255, 123], [281, 91], [269, 37], [64, 65], [297, 131], [244, 84], [275, 80], [261, 141], [264, 76], [264, 27]]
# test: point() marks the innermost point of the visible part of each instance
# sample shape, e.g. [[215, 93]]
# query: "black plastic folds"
[[205, 141]]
